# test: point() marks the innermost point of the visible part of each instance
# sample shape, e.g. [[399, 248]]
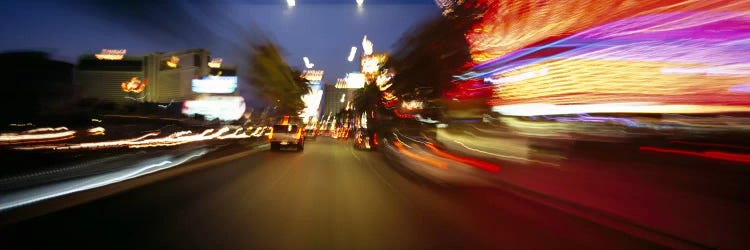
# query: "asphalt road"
[[328, 197]]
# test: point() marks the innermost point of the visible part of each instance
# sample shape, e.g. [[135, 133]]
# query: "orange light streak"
[[420, 158], [486, 166]]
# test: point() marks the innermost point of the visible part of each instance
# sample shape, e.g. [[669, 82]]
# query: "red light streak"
[[719, 155], [710, 144], [470, 161]]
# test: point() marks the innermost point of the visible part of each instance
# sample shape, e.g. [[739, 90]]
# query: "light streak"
[[535, 109], [45, 192], [719, 155], [486, 166], [505, 156], [419, 158], [144, 141], [352, 53], [307, 62], [13, 138], [578, 52]]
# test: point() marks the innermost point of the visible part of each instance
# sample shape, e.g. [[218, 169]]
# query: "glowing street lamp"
[[291, 3], [360, 2]]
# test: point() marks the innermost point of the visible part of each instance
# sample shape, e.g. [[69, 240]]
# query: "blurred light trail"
[[710, 144], [510, 25], [419, 158], [501, 156], [37, 135], [174, 139], [587, 118], [580, 52], [745, 158], [535, 109], [486, 166], [96, 131], [352, 53], [28, 196]]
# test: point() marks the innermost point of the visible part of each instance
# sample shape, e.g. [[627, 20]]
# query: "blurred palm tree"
[[426, 58], [367, 99], [277, 83]]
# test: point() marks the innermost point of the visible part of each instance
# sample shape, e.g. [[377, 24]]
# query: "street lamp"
[[291, 3], [360, 2]]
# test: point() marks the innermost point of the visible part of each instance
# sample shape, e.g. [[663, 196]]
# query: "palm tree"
[[367, 99], [277, 84]]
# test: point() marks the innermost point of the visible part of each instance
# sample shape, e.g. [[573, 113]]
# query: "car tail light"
[[299, 134], [270, 134], [375, 138]]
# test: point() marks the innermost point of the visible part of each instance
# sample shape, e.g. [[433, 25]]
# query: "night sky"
[[323, 30]]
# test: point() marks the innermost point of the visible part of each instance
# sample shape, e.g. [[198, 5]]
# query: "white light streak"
[[307, 62], [352, 53]]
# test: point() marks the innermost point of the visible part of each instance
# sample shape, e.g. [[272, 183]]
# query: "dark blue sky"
[[323, 30]]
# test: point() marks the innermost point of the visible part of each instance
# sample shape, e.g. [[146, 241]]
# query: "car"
[[364, 139], [310, 134], [288, 135]]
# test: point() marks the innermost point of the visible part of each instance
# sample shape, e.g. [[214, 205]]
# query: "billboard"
[[227, 108], [215, 85]]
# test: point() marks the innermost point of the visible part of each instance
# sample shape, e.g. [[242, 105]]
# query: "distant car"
[[286, 136], [310, 134], [363, 139]]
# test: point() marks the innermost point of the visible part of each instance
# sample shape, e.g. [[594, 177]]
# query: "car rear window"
[[285, 128]]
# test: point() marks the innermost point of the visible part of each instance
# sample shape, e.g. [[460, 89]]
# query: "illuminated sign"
[[371, 64], [215, 85], [173, 61], [312, 103], [308, 64], [366, 46], [225, 108], [354, 80], [215, 63], [111, 54], [340, 83], [312, 75], [134, 85]]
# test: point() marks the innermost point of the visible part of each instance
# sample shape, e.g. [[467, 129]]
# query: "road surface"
[[328, 197]]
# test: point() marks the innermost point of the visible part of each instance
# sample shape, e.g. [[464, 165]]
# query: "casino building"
[[114, 76]]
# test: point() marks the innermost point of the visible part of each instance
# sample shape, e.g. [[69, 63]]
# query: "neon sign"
[[312, 75], [173, 61], [134, 85], [215, 63], [111, 54]]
